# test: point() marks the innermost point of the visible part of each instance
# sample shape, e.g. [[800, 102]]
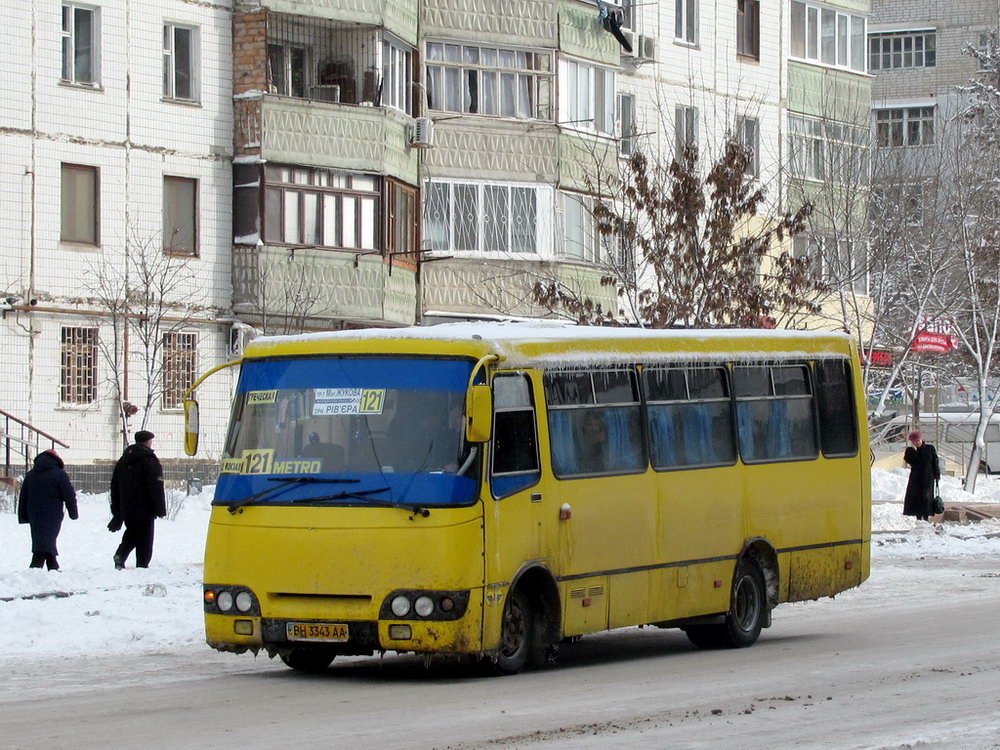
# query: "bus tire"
[[748, 610], [308, 658], [746, 616], [517, 635]]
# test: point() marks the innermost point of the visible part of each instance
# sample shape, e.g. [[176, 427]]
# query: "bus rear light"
[[848, 565], [418, 604], [225, 601], [423, 606], [230, 600], [400, 606], [447, 604], [209, 597], [244, 602]]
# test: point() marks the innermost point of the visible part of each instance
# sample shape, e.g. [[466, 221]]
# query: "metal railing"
[[21, 442]]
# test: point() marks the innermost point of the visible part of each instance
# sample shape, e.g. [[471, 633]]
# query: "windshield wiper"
[[236, 505], [367, 495]]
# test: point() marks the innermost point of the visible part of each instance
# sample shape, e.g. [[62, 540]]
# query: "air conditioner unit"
[[326, 92], [422, 135], [645, 47]]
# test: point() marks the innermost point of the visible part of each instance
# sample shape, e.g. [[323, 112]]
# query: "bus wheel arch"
[[532, 601], [762, 553]]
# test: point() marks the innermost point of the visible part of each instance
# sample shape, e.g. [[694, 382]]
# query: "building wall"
[[134, 137]]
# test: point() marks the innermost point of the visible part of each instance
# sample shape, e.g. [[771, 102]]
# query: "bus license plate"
[[316, 631]]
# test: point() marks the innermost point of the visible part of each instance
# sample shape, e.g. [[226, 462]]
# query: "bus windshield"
[[385, 429]]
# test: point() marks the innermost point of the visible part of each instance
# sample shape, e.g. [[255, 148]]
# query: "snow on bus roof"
[[507, 339]]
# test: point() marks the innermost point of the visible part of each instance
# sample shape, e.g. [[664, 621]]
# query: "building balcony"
[[480, 286], [289, 289]]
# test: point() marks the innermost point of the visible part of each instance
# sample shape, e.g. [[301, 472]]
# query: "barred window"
[[179, 363], [902, 50], [78, 372], [494, 81], [488, 217]]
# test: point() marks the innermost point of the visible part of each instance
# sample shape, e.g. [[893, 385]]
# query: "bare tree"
[[285, 299], [141, 297]]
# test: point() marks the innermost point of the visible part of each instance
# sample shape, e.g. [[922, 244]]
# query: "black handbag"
[[937, 504]]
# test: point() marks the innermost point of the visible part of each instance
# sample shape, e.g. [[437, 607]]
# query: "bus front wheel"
[[308, 659], [517, 634], [746, 616]]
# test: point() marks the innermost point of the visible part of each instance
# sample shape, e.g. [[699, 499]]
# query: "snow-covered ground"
[[158, 610]]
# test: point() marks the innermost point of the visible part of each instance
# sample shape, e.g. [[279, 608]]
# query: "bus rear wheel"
[[308, 658], [746, 616], [517, 635]]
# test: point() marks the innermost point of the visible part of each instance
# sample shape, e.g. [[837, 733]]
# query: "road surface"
[[909, 660]]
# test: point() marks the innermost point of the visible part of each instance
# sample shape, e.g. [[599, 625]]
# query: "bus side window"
[[515, 438], [838, 429], [594, 423], [690, 422], [774, 413]]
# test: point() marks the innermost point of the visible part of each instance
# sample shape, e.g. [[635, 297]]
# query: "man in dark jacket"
[[137, 499], [44, 492]]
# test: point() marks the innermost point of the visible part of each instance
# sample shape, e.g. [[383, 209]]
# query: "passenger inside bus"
[[592, 447], [331, 454]]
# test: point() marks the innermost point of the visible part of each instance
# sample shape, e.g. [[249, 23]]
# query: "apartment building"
[[116, 143]]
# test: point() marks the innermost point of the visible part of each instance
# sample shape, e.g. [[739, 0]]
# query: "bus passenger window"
[[690, 421], [594, 423], [515, 443], [774, 413], [838, 430]]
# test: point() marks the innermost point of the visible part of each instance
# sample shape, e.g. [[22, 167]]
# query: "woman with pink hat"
[[924, 473]]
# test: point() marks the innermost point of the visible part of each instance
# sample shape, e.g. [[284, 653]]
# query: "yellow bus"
[[493, 489]]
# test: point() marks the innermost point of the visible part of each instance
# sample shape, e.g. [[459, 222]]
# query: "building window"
[[321, 207], [180, 53], [179, 367], [986, 59], [287, 67], [748, 28], [904, 126], [627, 125], [80, 45], [180, 215], [896, 203], [628, 13], [587, 97], [401, 218], [828, 150], [78, 370], [686, 21], [397, 74], [580, 240], [827, 35], [840, 261], [79, 201], [685, 129], [902, 50], [748, 134], [494, 81], [487, 217]]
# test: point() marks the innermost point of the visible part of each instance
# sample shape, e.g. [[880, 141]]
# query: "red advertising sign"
[[936, 335]]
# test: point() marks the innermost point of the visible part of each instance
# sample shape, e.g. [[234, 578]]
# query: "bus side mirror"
[[190, 426], [479, 414]]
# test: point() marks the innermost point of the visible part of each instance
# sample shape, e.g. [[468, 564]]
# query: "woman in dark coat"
[[924, 472], [44, 492]]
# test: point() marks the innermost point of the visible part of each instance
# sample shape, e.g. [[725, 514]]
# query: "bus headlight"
[[230, 599], [224, 601], [244, 601], [420, 604]]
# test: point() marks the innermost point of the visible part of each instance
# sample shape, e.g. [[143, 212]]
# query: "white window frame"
[[397, 74], [817, 146], [170, 71], [748, 135], [626, 124], [579, 239], [898, 49], [287, 69], [685, 128], [828, 36], [686, 22], [69, 44], [526, 72], [175, 212], [587, 96], [909, 119], [543, 218]]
